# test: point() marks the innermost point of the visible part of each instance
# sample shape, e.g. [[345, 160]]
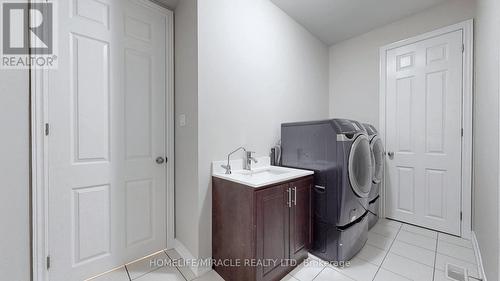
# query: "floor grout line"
[[385, 237], [462, 260], [435, 259], [180, 272], [456, 245], [408, 243], [398, 274], [387, 253], [316, 276], [379, 248], [380, 234], [412, 260], [128, 274], [366, 260], [176, 267]]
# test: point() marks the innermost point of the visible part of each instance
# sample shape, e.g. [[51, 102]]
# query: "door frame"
[[467, 110], [39, 148]]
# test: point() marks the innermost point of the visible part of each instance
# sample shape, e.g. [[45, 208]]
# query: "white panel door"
[[423, 133], [107, 193], [144, 71]]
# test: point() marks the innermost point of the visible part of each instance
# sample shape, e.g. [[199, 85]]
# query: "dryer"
[[338, 151], [377, 149]]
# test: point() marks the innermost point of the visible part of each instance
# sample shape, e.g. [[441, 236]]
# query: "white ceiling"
[[333, 21]]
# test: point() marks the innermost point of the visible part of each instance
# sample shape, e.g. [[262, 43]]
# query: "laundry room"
[[246, 140]]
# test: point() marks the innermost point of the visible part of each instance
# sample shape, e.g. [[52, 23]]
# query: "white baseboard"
[[187, 255], [479, 259]]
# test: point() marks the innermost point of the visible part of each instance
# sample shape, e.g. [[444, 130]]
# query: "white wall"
[[354, 64], [14, 176], [486, 139], [257, 68], [186, 137]]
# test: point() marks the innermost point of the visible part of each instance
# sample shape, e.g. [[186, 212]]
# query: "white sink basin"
[[261, 175], [262, 172]]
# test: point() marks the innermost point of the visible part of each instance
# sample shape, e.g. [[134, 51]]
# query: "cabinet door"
[[301, 219], [272, 229]]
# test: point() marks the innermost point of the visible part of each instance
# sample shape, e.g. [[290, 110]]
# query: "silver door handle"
[[289, 203], [390, 154], [160, 160], [294, 196]]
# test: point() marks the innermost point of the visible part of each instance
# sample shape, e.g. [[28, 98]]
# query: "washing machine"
[[338, 151], [377, 150]]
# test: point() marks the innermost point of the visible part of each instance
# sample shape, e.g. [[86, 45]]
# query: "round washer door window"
[[378, 155], [360, 166]]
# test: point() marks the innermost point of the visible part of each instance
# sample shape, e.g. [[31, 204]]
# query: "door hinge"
[[462, 132], [47, 262], [47, 129], [463, 48], [461, 216]]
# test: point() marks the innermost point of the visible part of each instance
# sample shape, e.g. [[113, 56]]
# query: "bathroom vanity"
[[261, 222]]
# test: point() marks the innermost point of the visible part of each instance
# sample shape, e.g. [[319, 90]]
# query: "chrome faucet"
[[228, 166], [247, 165]]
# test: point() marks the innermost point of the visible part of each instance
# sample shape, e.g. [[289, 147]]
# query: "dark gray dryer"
[[338, 151], [377, 149]]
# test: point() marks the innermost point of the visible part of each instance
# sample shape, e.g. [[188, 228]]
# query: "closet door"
[[423, 132], [106, 148]]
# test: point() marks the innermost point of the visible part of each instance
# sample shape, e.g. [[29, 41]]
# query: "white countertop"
[[262, 173]]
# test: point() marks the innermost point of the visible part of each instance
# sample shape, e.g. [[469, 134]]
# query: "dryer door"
[[360, 166], [378, 159]]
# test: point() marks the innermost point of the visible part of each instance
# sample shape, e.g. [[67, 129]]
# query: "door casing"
[[39, 148], [467, 110]]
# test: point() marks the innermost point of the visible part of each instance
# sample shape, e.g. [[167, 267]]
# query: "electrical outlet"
[[182, 120]]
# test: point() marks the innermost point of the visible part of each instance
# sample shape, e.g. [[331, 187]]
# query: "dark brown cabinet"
[[260, 233], [301, 219], [273, 234]]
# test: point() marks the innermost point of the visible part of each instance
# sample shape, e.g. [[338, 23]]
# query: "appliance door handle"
[[320, 187]]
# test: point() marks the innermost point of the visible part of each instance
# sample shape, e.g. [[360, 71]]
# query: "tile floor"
[[394, 252]]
